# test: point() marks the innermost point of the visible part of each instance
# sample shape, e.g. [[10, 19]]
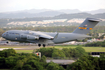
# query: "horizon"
[[49, 10]]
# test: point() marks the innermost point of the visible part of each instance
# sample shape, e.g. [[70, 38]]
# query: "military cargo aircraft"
[[45, 38]]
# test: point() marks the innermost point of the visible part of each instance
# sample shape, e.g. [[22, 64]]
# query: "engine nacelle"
[[23, 36], [32, 37]]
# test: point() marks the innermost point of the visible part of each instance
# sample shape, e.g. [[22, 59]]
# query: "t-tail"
[[86, 26]]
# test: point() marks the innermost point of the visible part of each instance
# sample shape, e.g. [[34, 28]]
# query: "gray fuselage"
[[15, 35]]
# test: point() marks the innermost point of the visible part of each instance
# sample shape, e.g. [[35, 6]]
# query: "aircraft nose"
[[3, 35]]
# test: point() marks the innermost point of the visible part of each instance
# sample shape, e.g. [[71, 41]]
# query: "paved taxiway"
[[22, 48], [64, 62]]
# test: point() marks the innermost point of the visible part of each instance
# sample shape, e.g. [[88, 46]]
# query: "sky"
[[82, 5]]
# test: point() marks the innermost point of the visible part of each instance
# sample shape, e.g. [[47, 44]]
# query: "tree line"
[[96, 44], [9, 59], [64, 53], [88, 63]]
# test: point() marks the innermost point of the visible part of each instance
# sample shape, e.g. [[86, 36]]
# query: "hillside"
[[45, 13], [60, 20]]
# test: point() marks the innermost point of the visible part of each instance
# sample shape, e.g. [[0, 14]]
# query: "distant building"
[[96, 54], [100, 34]]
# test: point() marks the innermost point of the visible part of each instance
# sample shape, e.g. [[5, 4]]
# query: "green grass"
[[12, 46], [67, 46], [94, 49], [24, 51], [87, 49]]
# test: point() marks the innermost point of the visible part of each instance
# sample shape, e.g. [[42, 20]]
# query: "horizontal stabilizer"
[[94, 20]]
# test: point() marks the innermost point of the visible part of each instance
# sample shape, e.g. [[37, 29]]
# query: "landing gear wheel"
[[7, 42], [39, 45], [44, 45]]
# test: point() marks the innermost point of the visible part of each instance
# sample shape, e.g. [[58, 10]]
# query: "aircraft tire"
[[39, 45], [44, 45], [7, 42]]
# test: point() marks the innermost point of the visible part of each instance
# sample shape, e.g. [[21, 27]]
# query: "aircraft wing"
[[43, 35], [36, 35]]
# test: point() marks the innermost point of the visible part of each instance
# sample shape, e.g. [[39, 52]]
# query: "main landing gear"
[[7, 42], [40, 45], [44, 45]]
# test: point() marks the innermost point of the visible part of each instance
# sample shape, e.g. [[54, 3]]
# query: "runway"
[[19, 47], [64, 62]]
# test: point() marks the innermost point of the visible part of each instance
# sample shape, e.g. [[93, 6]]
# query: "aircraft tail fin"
[[86, 26]]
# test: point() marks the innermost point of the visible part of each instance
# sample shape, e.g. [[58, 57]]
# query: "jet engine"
[[32, 37], [23, 36]]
